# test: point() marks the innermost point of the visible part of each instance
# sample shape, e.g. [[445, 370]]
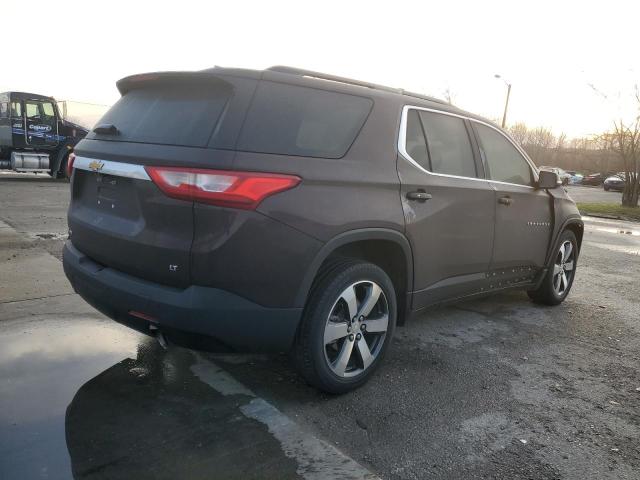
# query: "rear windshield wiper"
[[106, 129]]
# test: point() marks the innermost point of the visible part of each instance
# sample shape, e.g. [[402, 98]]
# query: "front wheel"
[[347, 325], [558, 281]]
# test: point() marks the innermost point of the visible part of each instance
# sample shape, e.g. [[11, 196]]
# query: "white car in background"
[[614, 182]]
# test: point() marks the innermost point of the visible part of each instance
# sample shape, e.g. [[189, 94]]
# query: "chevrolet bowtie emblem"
[[96, 165]]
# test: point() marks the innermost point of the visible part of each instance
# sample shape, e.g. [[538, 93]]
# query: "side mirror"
[[548, 179]]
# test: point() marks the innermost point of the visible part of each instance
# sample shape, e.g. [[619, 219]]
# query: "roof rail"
[[349, 81]]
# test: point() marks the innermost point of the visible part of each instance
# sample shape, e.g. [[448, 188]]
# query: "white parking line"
[[316, 459]]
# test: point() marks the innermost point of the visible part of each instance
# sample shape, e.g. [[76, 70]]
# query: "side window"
[[449, 145], [505, 163], [415, 144], [16, 109], [292, 120], [47, 108], [4, 110], [32, 109]]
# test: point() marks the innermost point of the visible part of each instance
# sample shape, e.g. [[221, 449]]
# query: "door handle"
[[419, 195], [506, 200]]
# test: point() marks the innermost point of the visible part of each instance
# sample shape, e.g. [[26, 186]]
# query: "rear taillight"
[[220, 187], [70, 159]]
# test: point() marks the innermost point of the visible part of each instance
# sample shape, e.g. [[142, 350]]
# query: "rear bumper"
[[191, 315]]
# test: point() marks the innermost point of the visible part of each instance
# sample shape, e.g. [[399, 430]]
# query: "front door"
[[524, 220], [41, 123], [448, 206]]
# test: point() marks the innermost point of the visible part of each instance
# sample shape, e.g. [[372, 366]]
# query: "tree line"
[[585, 155], [615, 151]]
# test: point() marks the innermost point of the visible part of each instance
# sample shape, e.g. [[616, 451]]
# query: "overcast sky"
[[549, 50]]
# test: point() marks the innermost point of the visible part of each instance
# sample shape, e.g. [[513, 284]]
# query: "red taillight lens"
[[70, 159], [220, 187], [143, 316]]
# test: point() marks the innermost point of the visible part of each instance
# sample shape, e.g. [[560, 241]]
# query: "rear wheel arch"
[[388, 249]]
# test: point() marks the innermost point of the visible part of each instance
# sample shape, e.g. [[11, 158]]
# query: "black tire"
[[547, 293], [606, 189], [310, 352], [61, 173]]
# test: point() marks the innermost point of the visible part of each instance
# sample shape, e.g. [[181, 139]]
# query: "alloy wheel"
[[563, 268], [356, 329]]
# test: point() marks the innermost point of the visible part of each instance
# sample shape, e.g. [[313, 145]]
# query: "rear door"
[[118, 216], [41, 123], [524, 220], [448, 205]]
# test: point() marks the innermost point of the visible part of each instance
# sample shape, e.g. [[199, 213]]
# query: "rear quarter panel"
[[360, 190]]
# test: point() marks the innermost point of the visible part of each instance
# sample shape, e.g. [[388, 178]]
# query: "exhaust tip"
[[162, 340]]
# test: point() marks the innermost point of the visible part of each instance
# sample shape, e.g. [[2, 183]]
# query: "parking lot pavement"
[[493, 388], [83, 397], [588, 194]]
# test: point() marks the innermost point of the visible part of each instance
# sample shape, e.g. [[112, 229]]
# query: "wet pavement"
[[494, 388], [83, 397]]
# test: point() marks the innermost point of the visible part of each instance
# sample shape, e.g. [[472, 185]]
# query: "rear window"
[[183, 114], [291, 120]]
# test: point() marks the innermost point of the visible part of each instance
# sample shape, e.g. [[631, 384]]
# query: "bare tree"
[[539, 145], [520, 133], [624, 140], [561, 142], [586, 154]]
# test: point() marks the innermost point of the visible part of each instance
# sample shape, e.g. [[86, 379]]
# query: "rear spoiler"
[[132, 82]]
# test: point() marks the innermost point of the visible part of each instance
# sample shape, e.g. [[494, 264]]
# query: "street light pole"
[[506, 103]]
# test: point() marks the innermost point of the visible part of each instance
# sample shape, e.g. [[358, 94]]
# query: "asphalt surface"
[[590, 194], [494, 388]]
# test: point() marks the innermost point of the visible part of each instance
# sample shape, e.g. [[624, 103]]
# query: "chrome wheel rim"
[[564, 268], [356, 328]]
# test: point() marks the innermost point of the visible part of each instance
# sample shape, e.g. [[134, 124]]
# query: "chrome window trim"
[[402, 139], [118, 169]]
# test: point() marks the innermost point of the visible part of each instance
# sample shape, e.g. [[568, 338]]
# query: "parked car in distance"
[[615, 182], [575, 177], [564, 177], [290, 210], [595, 179]]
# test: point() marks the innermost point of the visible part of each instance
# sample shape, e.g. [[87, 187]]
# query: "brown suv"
[[288, 210]]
